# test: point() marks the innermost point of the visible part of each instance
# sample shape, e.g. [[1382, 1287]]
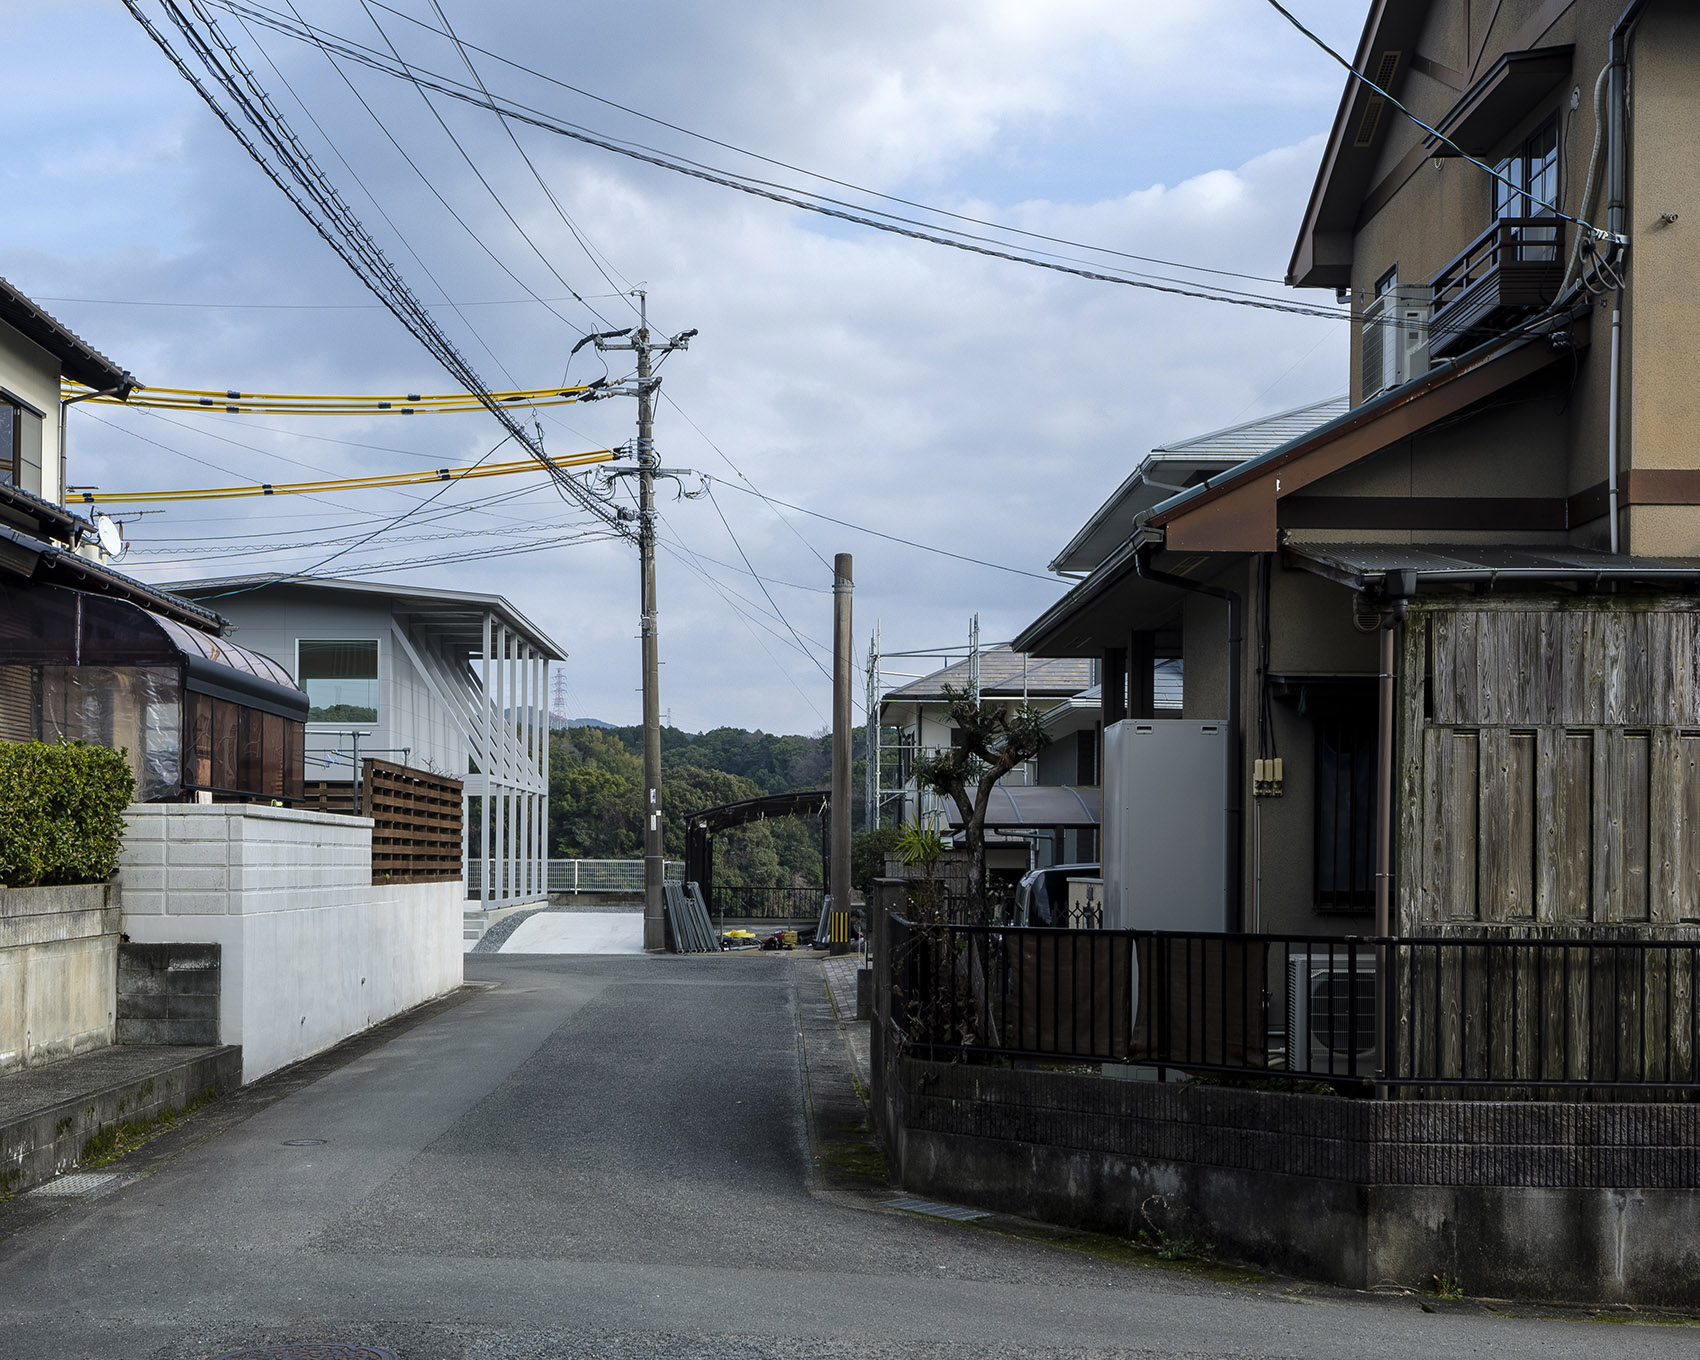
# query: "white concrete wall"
[[313, 950]]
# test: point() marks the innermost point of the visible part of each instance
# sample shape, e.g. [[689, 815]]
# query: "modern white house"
[[447, 681]]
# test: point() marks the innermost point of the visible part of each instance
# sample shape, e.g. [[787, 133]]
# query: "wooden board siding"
[[1550, 765]]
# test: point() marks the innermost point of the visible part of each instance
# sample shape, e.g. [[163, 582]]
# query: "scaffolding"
[[892, 751]]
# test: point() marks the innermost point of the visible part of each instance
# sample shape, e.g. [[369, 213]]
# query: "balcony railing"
[[1522, 1016], [1513, 268]]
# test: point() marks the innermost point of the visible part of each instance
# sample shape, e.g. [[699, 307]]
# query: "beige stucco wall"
[[1662, 410], [30, 372], [58, 972], [1441, 206]]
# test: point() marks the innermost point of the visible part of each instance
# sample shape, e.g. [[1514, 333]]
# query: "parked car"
[[1041, 898]]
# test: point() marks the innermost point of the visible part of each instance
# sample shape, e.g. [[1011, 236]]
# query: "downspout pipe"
[[1617, 190], [1399, 586], [1234, 812]]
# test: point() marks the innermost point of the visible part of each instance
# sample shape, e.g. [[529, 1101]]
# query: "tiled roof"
[[1001, 674], [1185, 463], [78, 360], [1260, 435]]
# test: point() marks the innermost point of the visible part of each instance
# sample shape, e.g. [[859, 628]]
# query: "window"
[[340, 678], [1086, 757], [1387, 282], [1532, 170], [9, 423], [20, 443], [1345, 805]]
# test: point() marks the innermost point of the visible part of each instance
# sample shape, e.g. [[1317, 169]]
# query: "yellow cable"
[[340, 484], [197, 399]]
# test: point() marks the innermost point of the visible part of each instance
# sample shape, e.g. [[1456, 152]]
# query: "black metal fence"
[[767, 903], [1522, 1015]]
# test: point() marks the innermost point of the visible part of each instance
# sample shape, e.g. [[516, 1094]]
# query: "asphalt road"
[[608, 1156]]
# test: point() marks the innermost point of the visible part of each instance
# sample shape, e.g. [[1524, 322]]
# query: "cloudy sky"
[[963, 403]]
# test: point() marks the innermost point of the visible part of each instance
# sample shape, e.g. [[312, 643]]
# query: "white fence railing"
[[583, 875]]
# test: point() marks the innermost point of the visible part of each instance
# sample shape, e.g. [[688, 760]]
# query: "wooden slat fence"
[[416, 823]]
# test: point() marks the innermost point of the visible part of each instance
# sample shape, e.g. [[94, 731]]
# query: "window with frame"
[[340, 677], [1345, 804], [1532, 190], [20, 443]]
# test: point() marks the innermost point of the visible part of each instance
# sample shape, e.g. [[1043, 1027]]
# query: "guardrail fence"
[[768, 903], [1529, 1015]]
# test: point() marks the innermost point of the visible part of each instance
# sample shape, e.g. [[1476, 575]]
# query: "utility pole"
[[654, 861], [842, 718]]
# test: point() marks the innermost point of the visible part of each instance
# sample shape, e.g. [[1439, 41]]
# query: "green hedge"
[[61, 812]]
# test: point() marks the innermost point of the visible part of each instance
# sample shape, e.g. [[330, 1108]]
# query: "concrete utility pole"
[[654, 860], [842, 722]]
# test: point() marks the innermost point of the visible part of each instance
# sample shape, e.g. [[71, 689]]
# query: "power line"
[[511, 109], [766, 594], [293, 170], [893, 538], [801, 170]]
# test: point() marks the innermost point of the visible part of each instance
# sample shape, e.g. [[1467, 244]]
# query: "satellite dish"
[[110, 535]]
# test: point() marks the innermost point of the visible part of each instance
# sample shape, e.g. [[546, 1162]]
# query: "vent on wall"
[[1381, 77]]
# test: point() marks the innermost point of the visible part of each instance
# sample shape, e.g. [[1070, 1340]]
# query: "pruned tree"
[[995, 739]]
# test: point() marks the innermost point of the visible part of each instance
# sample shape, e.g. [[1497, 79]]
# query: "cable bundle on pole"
[[276, 149]]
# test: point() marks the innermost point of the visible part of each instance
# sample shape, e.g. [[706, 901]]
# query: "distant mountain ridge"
[[556, 724]]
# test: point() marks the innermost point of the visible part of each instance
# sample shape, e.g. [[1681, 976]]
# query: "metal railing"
[[1527, 1015], [1509, 241], [580, 875], [767, 903]]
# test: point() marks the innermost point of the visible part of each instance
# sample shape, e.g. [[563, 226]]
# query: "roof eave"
[[78, 360]]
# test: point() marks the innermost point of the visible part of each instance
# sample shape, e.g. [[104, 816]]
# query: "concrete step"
[[50, 1115]]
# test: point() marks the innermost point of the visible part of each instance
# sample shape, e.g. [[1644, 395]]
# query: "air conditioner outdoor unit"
[[1331, 1005], [1395, 338]]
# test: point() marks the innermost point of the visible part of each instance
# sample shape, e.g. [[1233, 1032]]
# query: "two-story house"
[[1462, 614], [1046, 810]]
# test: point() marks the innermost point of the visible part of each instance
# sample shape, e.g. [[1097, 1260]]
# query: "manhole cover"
[[310, 1350], [305, 1142]]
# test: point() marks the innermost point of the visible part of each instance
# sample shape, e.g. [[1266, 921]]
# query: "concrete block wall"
[[312, 950], [58, 972], [168, 993]]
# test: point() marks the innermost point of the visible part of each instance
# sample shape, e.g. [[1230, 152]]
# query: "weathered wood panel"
[[1548, 777]]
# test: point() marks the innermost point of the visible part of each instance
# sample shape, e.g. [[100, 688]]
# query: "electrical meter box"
[[1164, 828]]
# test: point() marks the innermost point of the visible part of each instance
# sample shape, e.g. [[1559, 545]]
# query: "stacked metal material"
[[692, 932]]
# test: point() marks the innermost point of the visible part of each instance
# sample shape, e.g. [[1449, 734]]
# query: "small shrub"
[[61, 812]]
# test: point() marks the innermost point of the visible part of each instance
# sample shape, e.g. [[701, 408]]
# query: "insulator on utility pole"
[[654, 861]]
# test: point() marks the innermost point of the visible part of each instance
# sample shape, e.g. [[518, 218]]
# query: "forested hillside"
[[595, 797]]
